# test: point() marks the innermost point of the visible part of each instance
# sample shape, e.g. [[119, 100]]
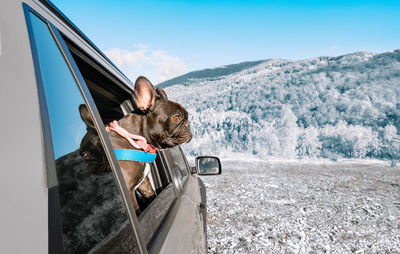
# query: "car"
[[51, 202]]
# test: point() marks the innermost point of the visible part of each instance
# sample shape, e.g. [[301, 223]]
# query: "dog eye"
[[176, 119], [85, 155]]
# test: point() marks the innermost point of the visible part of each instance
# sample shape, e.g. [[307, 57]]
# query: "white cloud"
[[168, 66], [142, 46], [333, 47], [155, 63]]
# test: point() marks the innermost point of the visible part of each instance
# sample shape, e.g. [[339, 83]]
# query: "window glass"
[[92, 211], [177, 162]]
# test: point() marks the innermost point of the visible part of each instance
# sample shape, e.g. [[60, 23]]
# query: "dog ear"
[[162, 93], [85, 115], [145, 94]]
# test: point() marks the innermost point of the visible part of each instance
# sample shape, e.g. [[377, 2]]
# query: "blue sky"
[[163, 39]]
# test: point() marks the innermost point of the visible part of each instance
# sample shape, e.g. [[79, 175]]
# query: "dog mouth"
[[184, 136], [189, 138]]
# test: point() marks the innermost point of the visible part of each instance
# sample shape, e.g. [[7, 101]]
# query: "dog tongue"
[[141, 142]]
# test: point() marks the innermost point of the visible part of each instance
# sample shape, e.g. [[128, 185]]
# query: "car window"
[[92, 211], [177, 163], [113, 100]]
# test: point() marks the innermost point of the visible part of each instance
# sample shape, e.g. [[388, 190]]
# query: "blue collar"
[[134, 155]]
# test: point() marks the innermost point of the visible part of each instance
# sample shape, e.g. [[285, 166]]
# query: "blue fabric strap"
[[134, 155]]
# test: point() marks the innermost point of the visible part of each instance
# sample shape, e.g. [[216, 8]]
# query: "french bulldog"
[[163, 123]]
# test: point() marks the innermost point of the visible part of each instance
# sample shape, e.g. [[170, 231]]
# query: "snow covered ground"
[[350, 206]]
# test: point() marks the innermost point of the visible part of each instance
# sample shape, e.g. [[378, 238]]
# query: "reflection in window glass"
[[177, 162], [65, 122], [92, 211]]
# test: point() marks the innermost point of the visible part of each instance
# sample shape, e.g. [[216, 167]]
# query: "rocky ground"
[[304, 207]]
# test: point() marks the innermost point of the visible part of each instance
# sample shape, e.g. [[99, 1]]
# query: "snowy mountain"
[[209, 74], [326, 107]]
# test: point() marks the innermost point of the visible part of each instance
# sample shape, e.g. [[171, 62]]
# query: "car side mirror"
[[208, 165]]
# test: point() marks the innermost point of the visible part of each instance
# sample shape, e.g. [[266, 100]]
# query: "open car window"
[[114, 100]]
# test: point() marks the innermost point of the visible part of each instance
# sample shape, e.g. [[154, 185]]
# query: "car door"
[[185, 231]]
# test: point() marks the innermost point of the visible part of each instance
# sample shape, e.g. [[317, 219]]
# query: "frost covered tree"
[[326, 107]]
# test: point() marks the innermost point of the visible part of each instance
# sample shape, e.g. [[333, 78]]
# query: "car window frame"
[[55, 238], [103, 138], [148, 241]]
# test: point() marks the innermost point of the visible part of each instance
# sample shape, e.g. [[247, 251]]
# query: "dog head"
[[167, 125], [91, 148]]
